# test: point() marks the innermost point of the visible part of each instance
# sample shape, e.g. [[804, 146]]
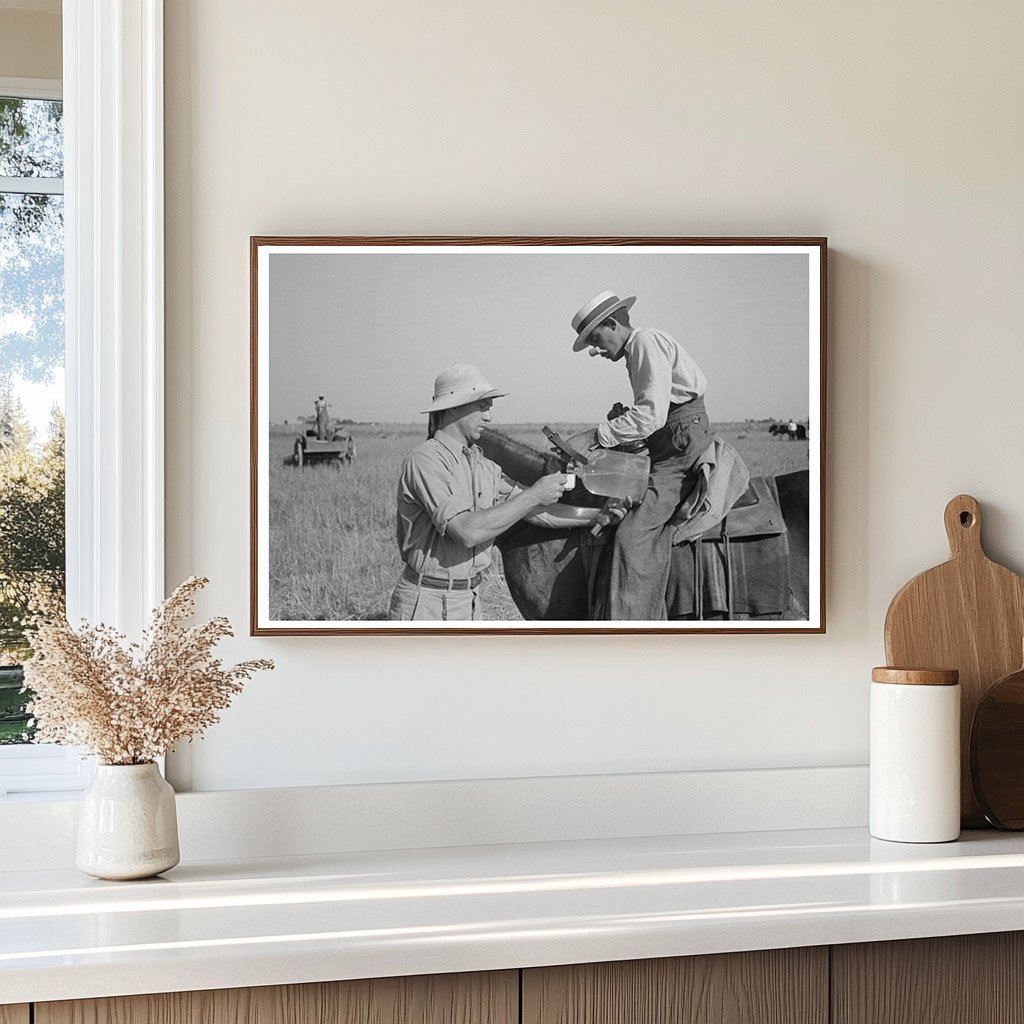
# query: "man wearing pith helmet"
[[668, 414], [453, 503]]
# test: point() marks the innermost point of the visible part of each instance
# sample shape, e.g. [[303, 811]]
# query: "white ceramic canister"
[[915, 755]]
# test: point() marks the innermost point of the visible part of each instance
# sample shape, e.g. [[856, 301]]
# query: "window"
[[31, 380], [113, 335], [32, 560]]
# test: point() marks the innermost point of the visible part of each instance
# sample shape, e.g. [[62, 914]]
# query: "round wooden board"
[[997, 752]]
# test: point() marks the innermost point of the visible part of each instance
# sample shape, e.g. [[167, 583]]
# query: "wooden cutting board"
[[967, 614]]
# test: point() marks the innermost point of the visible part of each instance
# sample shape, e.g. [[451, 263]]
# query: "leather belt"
[[439, 583]]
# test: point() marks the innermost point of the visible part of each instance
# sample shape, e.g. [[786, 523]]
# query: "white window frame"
[[32, 89], [114, 336]]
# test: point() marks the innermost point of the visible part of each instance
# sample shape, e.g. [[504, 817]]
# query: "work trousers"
[[642, 549], [412, 603]]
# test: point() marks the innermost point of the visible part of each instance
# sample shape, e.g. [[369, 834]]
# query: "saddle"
[[755, 514]]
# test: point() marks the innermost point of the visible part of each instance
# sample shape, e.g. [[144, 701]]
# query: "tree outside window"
[[31, 386]]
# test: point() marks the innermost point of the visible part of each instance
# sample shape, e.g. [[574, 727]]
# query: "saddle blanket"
[[759, 580], [700, 585]]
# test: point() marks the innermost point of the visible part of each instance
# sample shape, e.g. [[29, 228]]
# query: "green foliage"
[[31, 524], [14, 719], [31, 138], [31, 548]]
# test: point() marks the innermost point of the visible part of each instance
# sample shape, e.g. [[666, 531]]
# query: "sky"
[[371, 331], [32, 265], [43, 391], [38, 399]]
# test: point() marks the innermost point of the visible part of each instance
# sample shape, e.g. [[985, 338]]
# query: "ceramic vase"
[[127, 825]]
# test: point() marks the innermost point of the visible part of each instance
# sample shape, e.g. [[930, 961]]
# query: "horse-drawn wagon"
[[339, 450], [323, 440]]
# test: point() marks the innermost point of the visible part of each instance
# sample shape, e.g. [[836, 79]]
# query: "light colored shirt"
[[661, 372], [439, 480]]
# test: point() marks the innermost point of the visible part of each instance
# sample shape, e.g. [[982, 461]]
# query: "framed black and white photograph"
[[537, 435]]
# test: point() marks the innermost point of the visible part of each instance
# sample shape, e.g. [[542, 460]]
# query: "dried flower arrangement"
[[129, 704]]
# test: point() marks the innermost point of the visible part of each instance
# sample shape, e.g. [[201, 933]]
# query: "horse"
[[799, 433], [547, 569]]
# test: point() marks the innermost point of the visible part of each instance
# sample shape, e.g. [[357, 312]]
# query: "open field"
[[333, 554]]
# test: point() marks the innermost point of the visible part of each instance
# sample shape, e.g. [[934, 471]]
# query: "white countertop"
[[225, 924]]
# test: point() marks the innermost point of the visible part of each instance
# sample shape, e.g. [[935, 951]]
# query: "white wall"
[[894, 129]]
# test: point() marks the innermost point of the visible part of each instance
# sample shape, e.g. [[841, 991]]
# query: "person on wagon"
[[322, 419], [453, 503], [668, 414]]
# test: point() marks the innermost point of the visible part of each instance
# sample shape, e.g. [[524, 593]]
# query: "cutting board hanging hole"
[[963, 525]]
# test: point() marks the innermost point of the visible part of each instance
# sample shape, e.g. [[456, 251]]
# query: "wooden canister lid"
[[916, 676]]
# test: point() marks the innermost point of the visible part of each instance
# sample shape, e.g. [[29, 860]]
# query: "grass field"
[[333, 554]]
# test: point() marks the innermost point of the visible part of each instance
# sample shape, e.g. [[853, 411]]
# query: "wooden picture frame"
[[349, 333]]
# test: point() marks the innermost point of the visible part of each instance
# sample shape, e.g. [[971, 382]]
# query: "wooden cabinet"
[[491, 998], [967, 979], [777, 986], [963, 979]]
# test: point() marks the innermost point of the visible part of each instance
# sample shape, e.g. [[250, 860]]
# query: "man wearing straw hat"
[[668, 415], [453, 503]]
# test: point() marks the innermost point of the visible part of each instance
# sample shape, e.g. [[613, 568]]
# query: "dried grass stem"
[[130, 703]]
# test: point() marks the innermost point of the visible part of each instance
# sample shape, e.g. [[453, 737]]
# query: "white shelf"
[[223, 924]]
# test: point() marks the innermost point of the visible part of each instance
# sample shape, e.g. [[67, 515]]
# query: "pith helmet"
[[591, 313], [459, 384]]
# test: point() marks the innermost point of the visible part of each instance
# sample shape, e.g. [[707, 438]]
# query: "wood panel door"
[[14, 1014], [777, 986], [480, 998], [961, 979]]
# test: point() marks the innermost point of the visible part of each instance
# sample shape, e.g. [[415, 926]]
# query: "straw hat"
[[591, 313], [459, 384]]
